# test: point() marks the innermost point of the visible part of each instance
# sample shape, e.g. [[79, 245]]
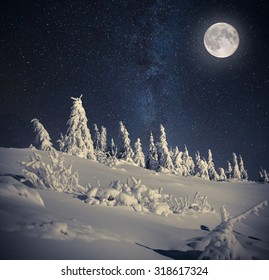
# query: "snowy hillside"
[[45, 224]]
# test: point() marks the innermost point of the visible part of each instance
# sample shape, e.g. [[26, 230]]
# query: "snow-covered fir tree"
[[139, 157], [43, 141], [263, 176], [152, 162], [77, 140], [164, 157], [236, 172], [177, 161], [201, 168], [213, 175], [112, 148], [229, 171], [222, 175], [100, 144], [243, 172], [126, 152], [111, 154], [103, 140], [96, 138], [188, 162]]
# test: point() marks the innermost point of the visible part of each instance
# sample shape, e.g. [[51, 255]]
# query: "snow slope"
[[44, 224]]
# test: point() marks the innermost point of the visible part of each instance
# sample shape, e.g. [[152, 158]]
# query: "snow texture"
[[41, 223]]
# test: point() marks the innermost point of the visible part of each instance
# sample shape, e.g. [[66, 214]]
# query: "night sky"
[[140, 62]]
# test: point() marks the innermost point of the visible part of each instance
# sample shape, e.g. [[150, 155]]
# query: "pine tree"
[[244, 174], [213, 175], [103, 140], [113, 148], [236, 172], [111, 154], [177, 161], [77, 140], [97, 138], [152, 157], [222, 175], [201, 168], [188, 163], [42, 140], [164, 157], [229, 171], [126, 152], [263, 176], [139, 157]]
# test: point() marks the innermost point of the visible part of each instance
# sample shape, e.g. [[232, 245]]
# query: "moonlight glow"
[[221, 40]]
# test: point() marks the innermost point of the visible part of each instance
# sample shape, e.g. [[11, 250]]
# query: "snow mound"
[[9, 187], [26, 214], [144, 199]]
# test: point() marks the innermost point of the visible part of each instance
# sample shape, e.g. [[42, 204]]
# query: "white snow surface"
[[45, 224]]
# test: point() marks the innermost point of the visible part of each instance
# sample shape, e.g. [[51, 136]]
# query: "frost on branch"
[[221, 243], [144, 199], [54, 175]]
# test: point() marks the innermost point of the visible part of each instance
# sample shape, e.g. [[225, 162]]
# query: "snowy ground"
[[44, 224]]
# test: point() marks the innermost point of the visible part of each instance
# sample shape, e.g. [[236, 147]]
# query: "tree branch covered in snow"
[[253, 210], [144, 199], [54, 175], [221, 242]]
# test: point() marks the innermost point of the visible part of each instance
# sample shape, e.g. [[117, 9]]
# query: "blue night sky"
[[140, 62]]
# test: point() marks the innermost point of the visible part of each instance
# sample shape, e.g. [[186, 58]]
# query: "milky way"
[[142, 62]]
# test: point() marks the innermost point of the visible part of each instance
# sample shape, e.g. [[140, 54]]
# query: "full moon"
[[221, 40]]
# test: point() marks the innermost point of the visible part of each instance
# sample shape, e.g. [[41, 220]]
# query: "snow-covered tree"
[[42, 140], [222, 175], [221, 243], [139, 157], [100, 143], [126, 152], [77, 140], [236, 172], [229, 171], [201, 168], [111, 154], [164, 157], [213, 175], [96, 138], [152, 157], [177, 161], [112, 148], [188, 162], [263, 176], [244, 174], [54, 175], [103, 140]]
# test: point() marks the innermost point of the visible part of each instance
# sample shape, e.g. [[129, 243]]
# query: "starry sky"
[[140, 62]]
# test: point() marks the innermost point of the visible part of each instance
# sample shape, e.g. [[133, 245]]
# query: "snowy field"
[[45, 224]]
